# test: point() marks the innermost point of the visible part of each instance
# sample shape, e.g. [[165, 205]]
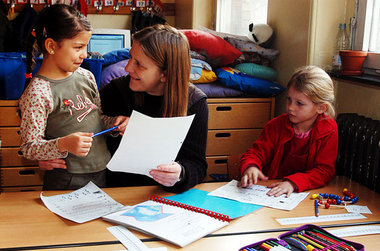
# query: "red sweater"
[[268, 151]]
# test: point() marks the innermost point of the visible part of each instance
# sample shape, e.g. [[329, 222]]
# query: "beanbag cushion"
[[196, 55], [259, 71], [196, 68], [250, 85], [195, 73], [249, 46], [113, 71], [115, 56], [201, 64], [217, 90], [206, 77], [217, 51]]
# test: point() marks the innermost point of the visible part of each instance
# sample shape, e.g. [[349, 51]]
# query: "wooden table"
[[25, 223]]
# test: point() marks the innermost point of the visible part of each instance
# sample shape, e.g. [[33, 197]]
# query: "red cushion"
[[218, 51]]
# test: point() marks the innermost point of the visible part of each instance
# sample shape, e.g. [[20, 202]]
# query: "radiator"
[[359, 149]]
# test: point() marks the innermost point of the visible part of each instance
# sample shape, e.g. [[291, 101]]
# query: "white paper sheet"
[[321, 218], [148, 142], [257, 195], [130, 241], [356, 231], [358, 209], [82, 205]]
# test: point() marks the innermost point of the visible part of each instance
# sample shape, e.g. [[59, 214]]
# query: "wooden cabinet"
[[16, 172], [234, 123]]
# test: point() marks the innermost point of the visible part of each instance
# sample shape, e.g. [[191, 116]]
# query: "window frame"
[[372, 62]]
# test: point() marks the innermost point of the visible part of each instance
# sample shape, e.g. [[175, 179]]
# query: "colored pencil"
[[102, 132]]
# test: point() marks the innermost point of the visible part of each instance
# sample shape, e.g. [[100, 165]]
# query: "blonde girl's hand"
[[51, 164], [279, 188], [122, 122], [78, 143], [167, 174], [251, 175]]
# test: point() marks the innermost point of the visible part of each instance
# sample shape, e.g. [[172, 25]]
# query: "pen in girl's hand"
[[107, 130]]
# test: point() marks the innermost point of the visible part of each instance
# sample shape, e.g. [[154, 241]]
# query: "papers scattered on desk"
[[148, 142], [258, 195], [355, 231], [321, 218], [358, 209], [82, 205]]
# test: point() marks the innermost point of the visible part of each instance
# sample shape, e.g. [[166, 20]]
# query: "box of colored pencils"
[[307, 237]]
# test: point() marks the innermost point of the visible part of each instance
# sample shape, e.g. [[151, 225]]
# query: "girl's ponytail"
[[30, 48]]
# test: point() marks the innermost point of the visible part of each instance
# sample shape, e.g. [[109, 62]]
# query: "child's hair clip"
[[28, 75], [44, 32]]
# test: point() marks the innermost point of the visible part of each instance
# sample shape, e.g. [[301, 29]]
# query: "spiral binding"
[[215, 215]]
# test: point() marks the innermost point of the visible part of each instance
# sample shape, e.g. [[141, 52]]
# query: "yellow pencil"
[[310, 241]]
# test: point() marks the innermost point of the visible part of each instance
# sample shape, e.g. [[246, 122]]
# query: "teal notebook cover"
[[199, 198]]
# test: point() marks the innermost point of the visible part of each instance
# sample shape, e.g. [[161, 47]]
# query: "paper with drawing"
[[148, 142], [171, 223], [258, 195]]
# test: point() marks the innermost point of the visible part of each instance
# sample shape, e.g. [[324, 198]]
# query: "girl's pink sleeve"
[[36, 104]]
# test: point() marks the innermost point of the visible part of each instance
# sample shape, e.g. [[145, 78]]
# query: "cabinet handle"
[[223, 135], [19, 153], [220, 161], [27, 172], [224, 108]]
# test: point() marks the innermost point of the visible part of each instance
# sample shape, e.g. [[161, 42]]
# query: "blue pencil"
[[107, 130], [316, 208]]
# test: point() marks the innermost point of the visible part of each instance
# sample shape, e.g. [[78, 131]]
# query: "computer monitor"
[[106, 40]]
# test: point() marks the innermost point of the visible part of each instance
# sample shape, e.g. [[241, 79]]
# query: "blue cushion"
[[218, 90], [249, 85], [113, 71], [94, 65], [115, 56]]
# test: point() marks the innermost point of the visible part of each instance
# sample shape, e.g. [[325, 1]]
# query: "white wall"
[[354, 97]]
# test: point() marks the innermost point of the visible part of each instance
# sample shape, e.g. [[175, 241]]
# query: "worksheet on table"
[[258, 195], [82, 205]]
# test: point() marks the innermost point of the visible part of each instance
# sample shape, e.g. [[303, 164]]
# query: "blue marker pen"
[[107, 130]]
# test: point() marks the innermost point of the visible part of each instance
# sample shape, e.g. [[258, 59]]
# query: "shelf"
[[169, 9]]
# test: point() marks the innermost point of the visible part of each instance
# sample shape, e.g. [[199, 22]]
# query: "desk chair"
[[233, 166]]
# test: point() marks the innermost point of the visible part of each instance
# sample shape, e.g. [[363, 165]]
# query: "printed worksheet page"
[[258, 195], [82, 205]]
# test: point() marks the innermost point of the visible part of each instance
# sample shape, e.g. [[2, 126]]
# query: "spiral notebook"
[[168, 220]]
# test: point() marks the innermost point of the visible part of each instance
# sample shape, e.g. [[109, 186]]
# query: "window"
[[234, 16], [368, 34]]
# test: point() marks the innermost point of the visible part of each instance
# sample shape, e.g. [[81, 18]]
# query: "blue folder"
[[199, 198]]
